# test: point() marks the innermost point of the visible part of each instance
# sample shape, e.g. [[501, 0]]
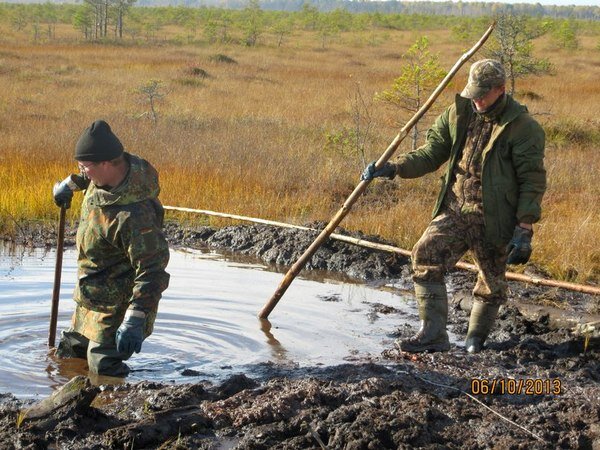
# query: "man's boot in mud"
[[481, 321], [72, 345], [433, 311]]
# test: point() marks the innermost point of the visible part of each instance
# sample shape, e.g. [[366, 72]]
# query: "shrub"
[[198, 72], [220, 58], [573, 131], [529, 95]]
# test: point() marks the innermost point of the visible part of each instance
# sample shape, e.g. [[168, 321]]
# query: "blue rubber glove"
[[519, 247], [62, 194], [388, 170], [130, 334], [63, 190]]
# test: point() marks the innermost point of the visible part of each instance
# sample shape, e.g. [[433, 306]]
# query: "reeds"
[[249, 138]]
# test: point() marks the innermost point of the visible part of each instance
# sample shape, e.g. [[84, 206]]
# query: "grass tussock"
[[269, 131], [574, 131]]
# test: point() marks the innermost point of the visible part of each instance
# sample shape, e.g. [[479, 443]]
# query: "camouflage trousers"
[[447, 238], [102, 358]]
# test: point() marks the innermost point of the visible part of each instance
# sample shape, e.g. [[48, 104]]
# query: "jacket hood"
[[141, 183]]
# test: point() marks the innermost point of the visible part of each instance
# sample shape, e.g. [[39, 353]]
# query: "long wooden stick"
[[298, 265], [586, 289], [57, 274]]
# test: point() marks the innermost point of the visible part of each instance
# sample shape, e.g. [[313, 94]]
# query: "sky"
[[546, 2], [541, 2]]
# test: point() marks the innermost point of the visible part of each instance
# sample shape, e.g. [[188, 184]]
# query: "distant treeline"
[[448, 8], [391, 6], [119, 19]]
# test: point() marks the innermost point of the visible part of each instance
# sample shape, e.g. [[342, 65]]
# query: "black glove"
[[388, 170], [130, 334], [63, 190], [519, 247]]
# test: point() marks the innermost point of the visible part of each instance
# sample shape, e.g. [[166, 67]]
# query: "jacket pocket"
[[102, 294]]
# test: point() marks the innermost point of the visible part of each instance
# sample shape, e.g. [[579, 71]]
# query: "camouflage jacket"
[[513, 178], [122, 253]]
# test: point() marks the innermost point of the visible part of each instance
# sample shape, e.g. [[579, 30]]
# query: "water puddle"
[[206, 327]]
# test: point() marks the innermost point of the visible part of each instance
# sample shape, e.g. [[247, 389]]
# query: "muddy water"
[[206, 327]]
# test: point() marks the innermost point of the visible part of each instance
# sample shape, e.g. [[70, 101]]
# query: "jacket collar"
[[511, 111]]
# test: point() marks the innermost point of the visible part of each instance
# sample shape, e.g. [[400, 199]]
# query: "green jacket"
[[513, 177], [122, 253]]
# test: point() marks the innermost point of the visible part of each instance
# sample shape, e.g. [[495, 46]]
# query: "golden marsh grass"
[[250, 138]]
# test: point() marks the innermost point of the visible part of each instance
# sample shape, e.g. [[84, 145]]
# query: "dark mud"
[[281, 247], [537, 385]]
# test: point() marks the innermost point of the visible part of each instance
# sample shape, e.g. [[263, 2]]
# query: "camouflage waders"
[[122, 257], [444, 242]]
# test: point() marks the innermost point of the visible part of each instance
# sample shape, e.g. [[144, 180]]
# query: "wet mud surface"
[[536, 386]]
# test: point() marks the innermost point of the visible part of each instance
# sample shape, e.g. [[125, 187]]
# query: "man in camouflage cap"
[[490, 196], [122, 252]]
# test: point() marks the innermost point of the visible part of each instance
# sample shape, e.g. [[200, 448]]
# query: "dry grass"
[[249, 138]]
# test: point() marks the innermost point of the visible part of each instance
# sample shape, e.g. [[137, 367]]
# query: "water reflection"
[[206, 326], [277, 350]]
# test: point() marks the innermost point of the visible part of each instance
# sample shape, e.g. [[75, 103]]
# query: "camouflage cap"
[[484, 75]]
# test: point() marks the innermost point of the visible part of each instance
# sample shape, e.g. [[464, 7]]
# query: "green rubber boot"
[[433, 311], [481, 321]]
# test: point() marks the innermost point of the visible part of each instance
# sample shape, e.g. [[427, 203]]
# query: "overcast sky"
[[544, 2]]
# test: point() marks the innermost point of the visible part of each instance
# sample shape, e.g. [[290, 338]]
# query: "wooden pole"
[[345, 209], [57, 274], [586, 289]]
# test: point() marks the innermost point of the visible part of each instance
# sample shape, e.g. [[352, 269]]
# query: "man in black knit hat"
[[122, 252]]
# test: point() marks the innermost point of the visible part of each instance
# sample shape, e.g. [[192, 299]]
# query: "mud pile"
[[281, 247], [537, 386]]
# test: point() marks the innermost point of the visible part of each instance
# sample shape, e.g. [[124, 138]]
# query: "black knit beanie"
[[98, 143]]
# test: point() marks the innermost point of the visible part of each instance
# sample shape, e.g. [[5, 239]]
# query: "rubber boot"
[[433, 311], [481, 321], [72, 345], [105, 359]]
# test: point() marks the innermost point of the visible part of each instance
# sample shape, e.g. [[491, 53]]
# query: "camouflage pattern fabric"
[[513, 178], [122, 254], [464, 194], [483, 76], [461, 225], [447, 238]]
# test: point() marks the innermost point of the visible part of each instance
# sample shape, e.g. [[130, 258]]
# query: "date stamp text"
[[514, 386]]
